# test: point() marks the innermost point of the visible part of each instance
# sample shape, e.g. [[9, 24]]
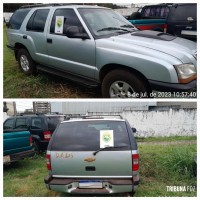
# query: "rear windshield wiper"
[[108, 148], [113, 28]]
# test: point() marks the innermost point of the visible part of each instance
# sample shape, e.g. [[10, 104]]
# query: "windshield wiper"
[[113, 28], [131, 28], [127, 26], [108, 148]]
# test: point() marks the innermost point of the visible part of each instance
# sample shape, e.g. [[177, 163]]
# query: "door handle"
[[24, 36], [49, 40]]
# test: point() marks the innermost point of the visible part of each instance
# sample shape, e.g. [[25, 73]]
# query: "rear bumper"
[[110, 185], [19, 156], [173, 87]]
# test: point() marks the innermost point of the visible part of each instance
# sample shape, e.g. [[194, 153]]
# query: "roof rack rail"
[[22, 114], [92, 117], [46, 5], [101, 116]]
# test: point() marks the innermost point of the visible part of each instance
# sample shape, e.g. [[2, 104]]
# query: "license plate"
[[6, 159], [90, 184]]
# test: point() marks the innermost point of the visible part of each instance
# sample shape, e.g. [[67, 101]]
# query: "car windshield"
[[103, 22]]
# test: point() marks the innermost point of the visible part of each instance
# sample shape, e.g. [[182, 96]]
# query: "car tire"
[[36, 147], [124, 84], [25, 62]]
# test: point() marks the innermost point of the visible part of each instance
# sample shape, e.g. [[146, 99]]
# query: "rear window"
[[85, 135], [183, 12], [17, 18]]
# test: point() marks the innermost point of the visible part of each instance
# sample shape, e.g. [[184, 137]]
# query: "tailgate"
[[84, 164]]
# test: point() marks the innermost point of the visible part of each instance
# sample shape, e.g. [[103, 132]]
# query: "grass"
[[18, 85], [167, 139], [161, 166]]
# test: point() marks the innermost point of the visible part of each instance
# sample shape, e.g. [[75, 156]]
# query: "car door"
[[74, 55], [34, 37]]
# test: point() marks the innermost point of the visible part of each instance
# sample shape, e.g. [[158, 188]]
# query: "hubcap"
[[24, 63], [121, 89]]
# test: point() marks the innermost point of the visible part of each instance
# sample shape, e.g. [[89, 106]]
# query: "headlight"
[[186, 72]]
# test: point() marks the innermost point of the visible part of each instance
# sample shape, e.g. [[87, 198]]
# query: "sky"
[[22, 105]]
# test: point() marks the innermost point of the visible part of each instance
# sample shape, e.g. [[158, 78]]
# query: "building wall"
[[126, 11], [86, 107], [149, 119], [12, 108], [172, 122]]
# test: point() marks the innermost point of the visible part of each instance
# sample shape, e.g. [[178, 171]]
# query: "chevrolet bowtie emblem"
[[90, 159]]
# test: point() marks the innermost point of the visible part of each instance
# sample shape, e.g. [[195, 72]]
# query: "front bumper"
[[173, 87], [71, 185]]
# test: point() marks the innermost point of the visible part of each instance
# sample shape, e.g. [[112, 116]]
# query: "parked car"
[[150, 17], [182, 20], [17, 145], [93, 156], [96, 46], [40, 126]]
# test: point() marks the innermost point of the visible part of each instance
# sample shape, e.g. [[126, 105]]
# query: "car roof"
[[93, 119], [61, 6], [37, 115]]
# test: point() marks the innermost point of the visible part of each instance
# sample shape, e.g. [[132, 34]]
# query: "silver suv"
[[93, 156], [96, 46]]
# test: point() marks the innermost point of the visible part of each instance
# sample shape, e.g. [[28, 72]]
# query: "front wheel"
[[124, 84]]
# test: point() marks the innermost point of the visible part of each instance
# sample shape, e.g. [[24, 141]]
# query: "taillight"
[[165, 28], [136, 162], [48, 161], [30, 140], [47, 135]]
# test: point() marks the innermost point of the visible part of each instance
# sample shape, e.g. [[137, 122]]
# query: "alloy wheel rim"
[[121, 89], [24, 63]]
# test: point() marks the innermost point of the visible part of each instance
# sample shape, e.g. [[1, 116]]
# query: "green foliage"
[[180, 160]]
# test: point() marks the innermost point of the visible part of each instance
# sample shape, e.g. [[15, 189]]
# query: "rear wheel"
[[124, 84], [36, 147], [26, 64]]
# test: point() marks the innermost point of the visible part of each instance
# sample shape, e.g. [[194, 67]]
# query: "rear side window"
[[156, 12], [36, 123], [8, 124], [17, 18], [21, 123], [38, 20], [85, 135]]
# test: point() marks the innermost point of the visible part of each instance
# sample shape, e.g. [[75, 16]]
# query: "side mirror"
[[74, 32], [134, 130]]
